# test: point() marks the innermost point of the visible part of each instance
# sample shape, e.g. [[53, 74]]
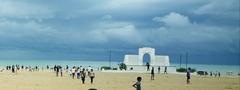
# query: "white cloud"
[[178, 28], [107, 17], [111, 30], [219, 7], [25, 10], [173, 19]]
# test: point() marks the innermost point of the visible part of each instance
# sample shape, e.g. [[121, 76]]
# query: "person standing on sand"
[[211, 73], [83, 75], [148, 65], [57, 70], [13, 67], [88, 70], [219, 74], [91, 75], [78, 73], [159, 69], [61, 71], [165, 70], [188, 75], [73, 72], [137, 85], [152, 73]]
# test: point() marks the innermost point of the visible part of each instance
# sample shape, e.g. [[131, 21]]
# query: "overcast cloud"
[[43, 29]]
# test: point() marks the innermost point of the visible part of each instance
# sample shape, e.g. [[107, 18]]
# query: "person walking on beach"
[[152, 73], [159, 69], [78, 73], [61, 71], [73, 72], [148, 65], [88, 70], [91, 75], [137, 85], [57, 70], [165, 70], [188, 75], [13, 69], [219, 74], [211, 73], [83, 75]]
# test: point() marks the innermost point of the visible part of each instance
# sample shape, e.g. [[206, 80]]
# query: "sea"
[[99, 63]]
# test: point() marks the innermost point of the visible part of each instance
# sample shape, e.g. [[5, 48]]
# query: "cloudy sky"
[[58, 29]]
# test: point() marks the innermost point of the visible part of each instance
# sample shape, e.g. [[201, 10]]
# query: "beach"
[[47, 80]]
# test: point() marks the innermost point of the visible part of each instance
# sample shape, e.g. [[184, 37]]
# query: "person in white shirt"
[[91, 75], [73, 72]]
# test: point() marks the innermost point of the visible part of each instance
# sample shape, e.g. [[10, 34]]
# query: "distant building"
[[136, 63], [155, 60]]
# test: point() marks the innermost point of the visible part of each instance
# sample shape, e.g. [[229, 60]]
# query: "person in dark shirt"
[[137, 85], [165, 70], [188, 75], [152, 73], [159, 70], [219, 74], [83, 75], [148, 65]]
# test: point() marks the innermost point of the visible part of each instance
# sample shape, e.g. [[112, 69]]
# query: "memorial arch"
[[155, 60]]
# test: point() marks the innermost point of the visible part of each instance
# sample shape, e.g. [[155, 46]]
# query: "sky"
[[208, 30]]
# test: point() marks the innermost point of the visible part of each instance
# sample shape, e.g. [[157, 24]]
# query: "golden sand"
[[113, 81]]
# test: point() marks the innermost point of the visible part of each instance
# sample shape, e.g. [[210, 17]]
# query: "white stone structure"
[[155, 60]]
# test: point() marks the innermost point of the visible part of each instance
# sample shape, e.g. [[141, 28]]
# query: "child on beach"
[[188, 75], [137, 85]]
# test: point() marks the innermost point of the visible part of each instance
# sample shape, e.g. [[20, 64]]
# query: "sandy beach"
[[113, 81]]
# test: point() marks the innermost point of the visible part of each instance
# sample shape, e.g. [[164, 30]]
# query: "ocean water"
[[44, 63], [96, 64]]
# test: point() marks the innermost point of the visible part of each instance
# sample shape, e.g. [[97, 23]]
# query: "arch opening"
[[146, 58]]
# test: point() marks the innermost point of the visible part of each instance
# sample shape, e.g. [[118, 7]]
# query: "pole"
[[110, 57], [186, 59], [180, 60]]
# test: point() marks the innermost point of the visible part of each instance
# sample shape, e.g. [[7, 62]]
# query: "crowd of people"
[[16, 68], [76, 72]]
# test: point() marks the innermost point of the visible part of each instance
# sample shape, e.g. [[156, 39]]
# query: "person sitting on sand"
[[91, 75], [188, 75], [83, 75], [152, 73], [137, 85]]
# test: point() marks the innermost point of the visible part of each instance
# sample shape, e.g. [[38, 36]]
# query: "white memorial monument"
[[135, 62], [155, 60]]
